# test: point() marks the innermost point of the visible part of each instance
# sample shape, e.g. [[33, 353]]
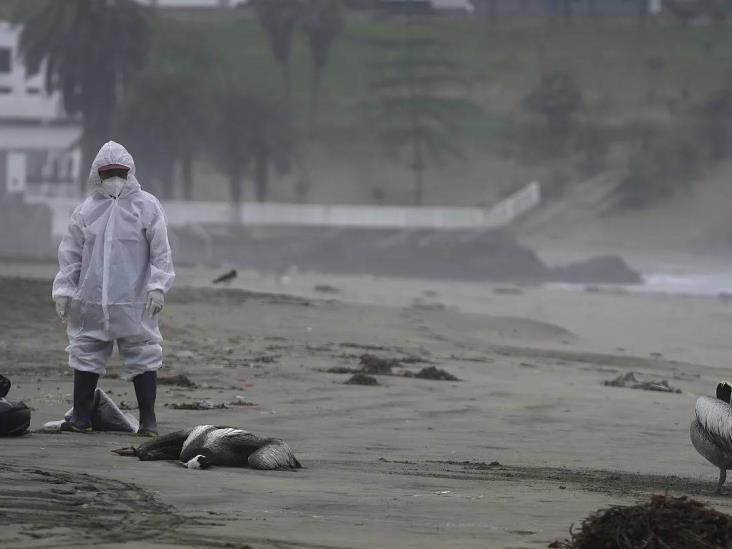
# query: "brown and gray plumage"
[[711, 430], [208, 445]]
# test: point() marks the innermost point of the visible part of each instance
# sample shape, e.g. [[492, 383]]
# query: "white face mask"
[[113, 185]]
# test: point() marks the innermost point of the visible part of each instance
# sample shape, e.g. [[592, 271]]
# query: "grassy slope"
[[627, 73]]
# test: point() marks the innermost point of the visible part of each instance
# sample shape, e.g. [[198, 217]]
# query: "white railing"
[[181, 213]]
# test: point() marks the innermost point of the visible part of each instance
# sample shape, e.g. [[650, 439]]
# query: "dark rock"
[[362, 379], [599, 270], [431, 372]]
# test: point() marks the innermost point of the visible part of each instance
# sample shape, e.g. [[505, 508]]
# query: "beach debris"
[[508, 291], [341, 370], [4, 386], [226, 277], [15, 417], [463, 358], [362, 379], [179, 380], [412, 359], [375, 365], [327, 289], [686, 376], [421, 305], [365, 347], [320, 348], [105, 416], [432, 372], [372, 365], [241, 401], [663, 522], [199, 405], [631, 381], [264, 359]]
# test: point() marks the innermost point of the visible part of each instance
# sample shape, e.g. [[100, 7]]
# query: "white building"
[[39, 153]]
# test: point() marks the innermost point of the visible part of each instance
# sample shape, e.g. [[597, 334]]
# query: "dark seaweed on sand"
[[372, 364], [432, 372], [362, 379], [663, 523], [180, 380], [341, 370]]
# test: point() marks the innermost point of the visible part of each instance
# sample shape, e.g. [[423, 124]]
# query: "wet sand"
[[527, 443]]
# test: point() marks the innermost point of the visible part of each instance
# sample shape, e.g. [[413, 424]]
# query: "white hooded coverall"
[[115, 251]]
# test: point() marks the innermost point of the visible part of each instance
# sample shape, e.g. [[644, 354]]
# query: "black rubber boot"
[[146, 388], [85, 383]]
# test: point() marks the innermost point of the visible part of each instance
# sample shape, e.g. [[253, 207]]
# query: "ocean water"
[[702, 284]]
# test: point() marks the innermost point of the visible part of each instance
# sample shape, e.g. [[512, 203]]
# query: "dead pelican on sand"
[[208, 445], [711, 430]]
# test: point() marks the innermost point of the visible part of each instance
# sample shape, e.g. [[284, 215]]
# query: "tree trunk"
[[493, 11], [418, 169], [287, 81], [168, 182], [91, 141], [567, 11], [88, 152], [642, 12], [261, 176], [187, 176], [235, 186], [315, 96]]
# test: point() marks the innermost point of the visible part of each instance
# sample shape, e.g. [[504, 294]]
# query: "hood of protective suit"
[[113, 153], [113, 254]]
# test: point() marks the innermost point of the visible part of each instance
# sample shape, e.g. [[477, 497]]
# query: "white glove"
[[155, 302], [62, 307]]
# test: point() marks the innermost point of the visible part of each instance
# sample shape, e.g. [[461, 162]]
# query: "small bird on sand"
[[711, 430], [207, 445], [226, 277]]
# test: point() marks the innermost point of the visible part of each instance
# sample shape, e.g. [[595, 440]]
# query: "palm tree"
[[322, 22], [164, 116], [271, 140], [417, 108], [89, 50], [228, 145], [279, 19], [251, 132]]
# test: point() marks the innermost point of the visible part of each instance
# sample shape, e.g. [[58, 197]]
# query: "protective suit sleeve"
[[69, 260], [161, 258]]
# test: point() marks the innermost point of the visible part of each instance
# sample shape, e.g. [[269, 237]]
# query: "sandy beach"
[[528, 441]]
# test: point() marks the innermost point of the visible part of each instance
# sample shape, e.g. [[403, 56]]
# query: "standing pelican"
[[711, 430], [208, 445]]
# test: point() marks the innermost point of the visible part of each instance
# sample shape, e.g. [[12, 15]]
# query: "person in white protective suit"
[[115, 266]]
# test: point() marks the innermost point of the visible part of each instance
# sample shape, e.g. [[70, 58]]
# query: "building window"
[[5, 60], [33, 91], [5, 90]]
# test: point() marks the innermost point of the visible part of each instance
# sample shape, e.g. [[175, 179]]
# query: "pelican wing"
[[195, 441], [276, 454], [231, 447], [715, 417]]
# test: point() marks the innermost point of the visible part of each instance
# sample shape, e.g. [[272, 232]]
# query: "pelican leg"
[[722, 478]]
